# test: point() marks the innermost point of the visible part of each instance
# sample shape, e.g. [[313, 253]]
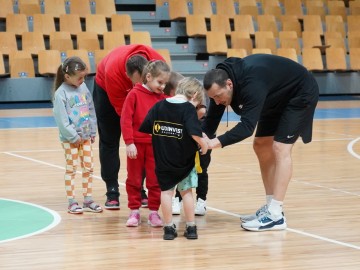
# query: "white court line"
[[350, 148], [211, 208], [49, 164], [56, 221]]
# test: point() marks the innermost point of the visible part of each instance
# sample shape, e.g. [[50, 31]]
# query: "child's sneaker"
[[134, 219], [200, 208], [91, 206], [74, 208], [265, 222], [144, 199], [259, 212], [170, 232], [155, 219], [176, 206], [191, 232]]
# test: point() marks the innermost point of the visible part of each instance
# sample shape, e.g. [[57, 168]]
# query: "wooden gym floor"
[[321, 207]]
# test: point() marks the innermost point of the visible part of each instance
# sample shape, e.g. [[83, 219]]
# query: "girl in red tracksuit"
[[139, 150]]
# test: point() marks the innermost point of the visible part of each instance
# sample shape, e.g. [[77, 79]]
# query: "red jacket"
[[138, 103], [111, 72]]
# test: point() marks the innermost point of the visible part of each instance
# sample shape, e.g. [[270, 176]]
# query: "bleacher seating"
[[327, 27]]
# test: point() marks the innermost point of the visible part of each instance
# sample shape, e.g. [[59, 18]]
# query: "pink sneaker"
[[134, 219], [155, 219]]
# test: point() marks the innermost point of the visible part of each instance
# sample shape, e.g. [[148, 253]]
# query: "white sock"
[[268, 199], [275, 208]]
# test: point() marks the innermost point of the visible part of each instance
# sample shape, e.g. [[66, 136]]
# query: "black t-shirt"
[[171, 126]]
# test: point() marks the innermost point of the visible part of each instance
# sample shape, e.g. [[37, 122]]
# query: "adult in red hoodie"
[[115, 76]]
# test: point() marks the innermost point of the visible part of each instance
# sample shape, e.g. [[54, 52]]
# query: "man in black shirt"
[[278, 96]]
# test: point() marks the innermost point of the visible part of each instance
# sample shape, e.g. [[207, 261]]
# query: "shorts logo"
[[168, 129], [290, 136]]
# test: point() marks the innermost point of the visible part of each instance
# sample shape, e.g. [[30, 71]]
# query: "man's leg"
[[283, 170], [263, 147], [278, 171], [109, 139]]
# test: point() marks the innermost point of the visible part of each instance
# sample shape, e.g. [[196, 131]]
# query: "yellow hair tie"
[[197, 163]]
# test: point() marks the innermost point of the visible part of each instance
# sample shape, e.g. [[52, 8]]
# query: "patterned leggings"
[[72, 153]]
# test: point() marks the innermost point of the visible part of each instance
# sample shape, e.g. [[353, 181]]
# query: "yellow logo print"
[[157, 127]]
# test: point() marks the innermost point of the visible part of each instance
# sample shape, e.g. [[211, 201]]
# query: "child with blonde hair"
[[139, 149], [75, 117], [176, 136]]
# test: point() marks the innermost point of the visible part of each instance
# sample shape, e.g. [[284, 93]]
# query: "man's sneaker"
[[170, 232], [176, 206], [134, 219], [112, 204], [144, 199], [265, 222], [191, 232], [200, 208], [260, 211], [155, 219]]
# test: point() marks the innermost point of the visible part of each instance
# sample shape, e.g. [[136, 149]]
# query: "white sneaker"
[[259, 212], [176, 206], [265, 222], [200, 208]]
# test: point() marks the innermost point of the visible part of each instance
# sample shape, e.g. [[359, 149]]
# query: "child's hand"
[[131, 151], [204, 149], [78, 142]]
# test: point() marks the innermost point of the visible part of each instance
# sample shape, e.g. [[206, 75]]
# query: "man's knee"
[[262, 144]]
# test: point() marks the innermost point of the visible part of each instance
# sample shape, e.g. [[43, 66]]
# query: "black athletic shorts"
[[295, 120]]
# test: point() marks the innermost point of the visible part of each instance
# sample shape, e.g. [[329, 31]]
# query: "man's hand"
[[214, 143]]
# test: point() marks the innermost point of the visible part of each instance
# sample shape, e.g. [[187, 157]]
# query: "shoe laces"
[[262, 209], [154, 215], [134, 214]]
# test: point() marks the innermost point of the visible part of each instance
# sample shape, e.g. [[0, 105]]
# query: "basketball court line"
[[318, 237], [56, 221]]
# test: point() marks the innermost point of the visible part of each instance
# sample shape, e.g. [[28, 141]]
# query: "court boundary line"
[[318, 237], [56, 221]]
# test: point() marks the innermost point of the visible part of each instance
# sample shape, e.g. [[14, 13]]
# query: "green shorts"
[[191, 181]]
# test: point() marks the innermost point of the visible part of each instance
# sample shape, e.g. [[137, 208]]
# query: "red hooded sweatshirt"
[[138, 103], [111, 72]]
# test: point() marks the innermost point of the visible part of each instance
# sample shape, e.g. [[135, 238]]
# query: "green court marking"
[[21, 219]]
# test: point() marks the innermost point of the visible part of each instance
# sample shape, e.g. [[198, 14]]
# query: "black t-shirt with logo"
[[171, 126]]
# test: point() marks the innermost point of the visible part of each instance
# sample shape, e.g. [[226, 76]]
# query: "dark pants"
[[109, 140], [203, 178]]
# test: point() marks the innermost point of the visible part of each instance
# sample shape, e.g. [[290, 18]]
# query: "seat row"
[[45, 23], [58, 7], [198, 25], [179, 9], [62, 41], [219, 43], [334, 59], [21, 64]]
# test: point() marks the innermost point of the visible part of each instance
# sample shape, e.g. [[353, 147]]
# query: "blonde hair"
[[191, 87], [154, 68]]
